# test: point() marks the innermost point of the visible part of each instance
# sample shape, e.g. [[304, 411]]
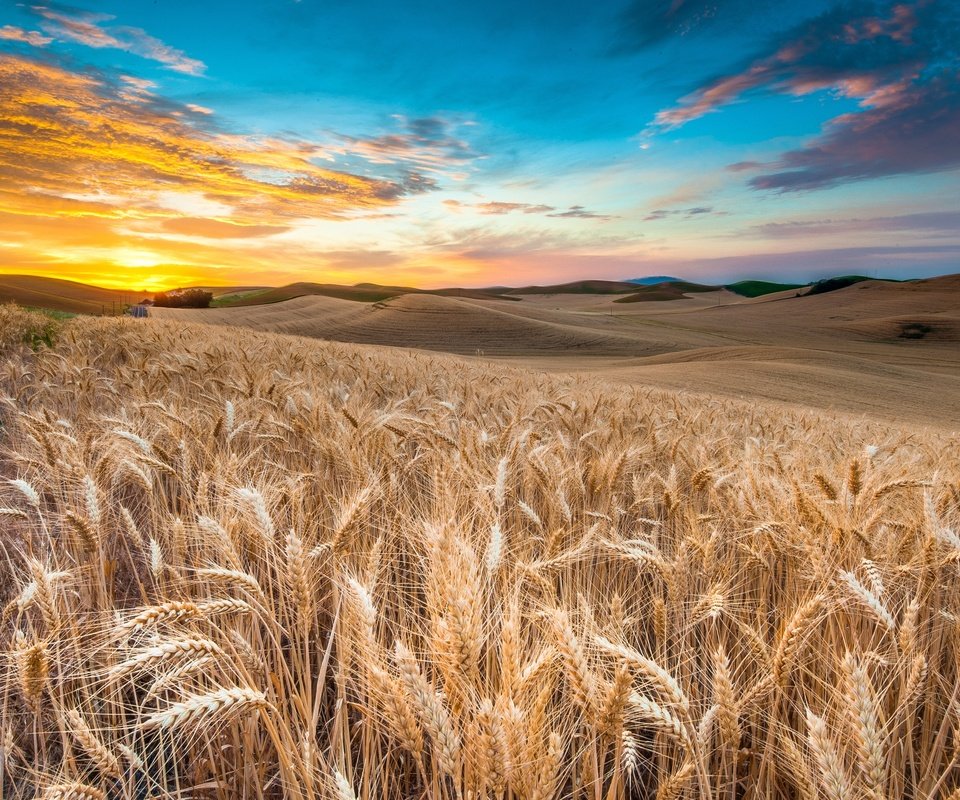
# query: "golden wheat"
[[272, 567]]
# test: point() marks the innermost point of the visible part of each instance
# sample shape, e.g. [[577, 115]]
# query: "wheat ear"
[[73, 791], [97, 751], [434, 713], [833, 778], [199, 710]]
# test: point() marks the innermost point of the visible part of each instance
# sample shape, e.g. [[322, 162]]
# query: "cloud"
[[915, 131], [12, 33], [486, 243], [856, 48], [361, 260], [899, 61], [498, 208], [648, 22], [103, 179], [86, 28], [429, 143], [507, 208], [216, 229], [579, 212], [932, 223], [685, 213], [81, 138]]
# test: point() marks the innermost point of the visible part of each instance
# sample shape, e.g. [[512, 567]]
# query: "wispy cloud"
[[914, 130], [682, 213], [11, 33], [488, 244], [90, 29], [648, 22], [204, 228], [931, 223], [579, 212], [430, 143], [102, 176], [498, 208], [856, 49]]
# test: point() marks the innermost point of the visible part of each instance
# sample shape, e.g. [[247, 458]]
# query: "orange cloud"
[[12, 33], [96, 171], [63, 133]]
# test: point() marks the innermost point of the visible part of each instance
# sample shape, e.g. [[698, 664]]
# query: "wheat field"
[[241, 565], [839, 350]]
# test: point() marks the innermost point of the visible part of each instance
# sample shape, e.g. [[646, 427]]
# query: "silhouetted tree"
[[183, 298]]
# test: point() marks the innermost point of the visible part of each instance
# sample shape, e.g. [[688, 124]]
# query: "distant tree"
[[183, 298]]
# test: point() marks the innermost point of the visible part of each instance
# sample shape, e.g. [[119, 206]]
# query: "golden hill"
[[61, 295], [887, 349]]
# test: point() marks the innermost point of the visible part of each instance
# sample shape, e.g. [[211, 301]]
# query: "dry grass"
[[254, 566]]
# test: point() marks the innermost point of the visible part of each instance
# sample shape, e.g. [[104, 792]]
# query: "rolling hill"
[[874, 347], [361, 292], [55, 294], [423, 321], [61, 295], [761, 288], [578, 287], [666, 291]]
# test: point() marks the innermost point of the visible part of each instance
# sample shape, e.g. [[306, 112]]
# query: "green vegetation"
[[842, 282], [54, 314], [760, 288], [236, 297], [18, 326], [687, 287]]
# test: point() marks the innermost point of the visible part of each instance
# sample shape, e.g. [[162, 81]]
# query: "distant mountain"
[[652, 280]]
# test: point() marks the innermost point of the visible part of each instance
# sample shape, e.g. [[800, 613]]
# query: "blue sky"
[[159, 143]]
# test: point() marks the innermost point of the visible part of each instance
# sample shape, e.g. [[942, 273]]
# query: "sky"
[[158, 143]]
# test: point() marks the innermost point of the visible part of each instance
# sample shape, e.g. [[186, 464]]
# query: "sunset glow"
[[440, 146]]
